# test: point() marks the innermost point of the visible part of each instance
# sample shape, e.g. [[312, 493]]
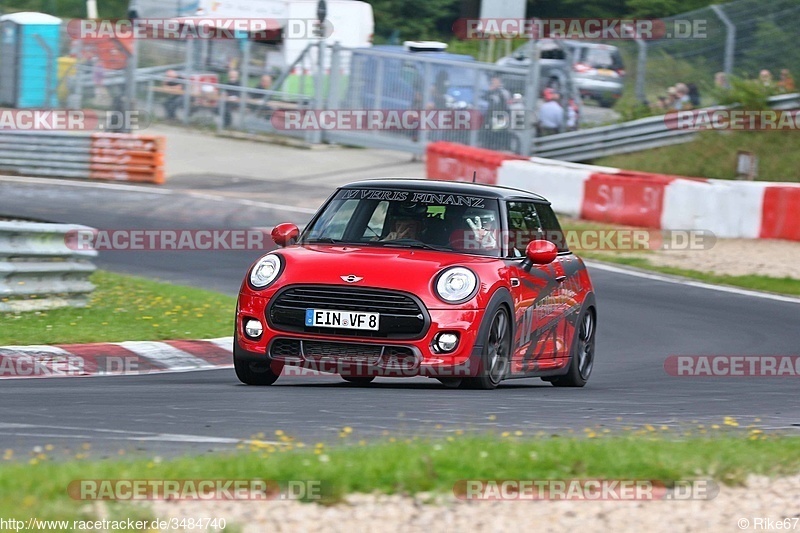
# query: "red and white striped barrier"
[[118, 358], [729, 209]]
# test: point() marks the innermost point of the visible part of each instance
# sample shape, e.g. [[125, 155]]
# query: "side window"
[[523, 226], [551, 227]]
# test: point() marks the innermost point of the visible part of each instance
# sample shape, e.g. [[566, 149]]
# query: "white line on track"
[[33, 430], [152, 190], [691, 283]]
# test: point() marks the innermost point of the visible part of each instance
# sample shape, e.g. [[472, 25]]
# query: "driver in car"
[[483, 231], [404, 228]]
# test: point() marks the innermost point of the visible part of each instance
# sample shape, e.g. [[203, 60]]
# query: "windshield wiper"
[[413, 244]]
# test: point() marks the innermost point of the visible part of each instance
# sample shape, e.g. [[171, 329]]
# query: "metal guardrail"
[[84, 155], [38, 270], [633, 136]]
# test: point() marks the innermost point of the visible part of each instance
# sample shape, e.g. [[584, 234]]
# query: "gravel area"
[[761, 498], [738, 257]]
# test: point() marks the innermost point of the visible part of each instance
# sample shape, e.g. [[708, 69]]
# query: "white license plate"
[[328, 318]]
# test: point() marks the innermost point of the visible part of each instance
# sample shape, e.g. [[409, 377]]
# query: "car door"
[[539, 341]]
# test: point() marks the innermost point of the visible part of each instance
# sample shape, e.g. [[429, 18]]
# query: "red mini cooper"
[[470, 284]]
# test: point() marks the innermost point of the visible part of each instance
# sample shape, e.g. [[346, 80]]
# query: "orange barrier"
[[126, 157], [780, 215], [457, 162]]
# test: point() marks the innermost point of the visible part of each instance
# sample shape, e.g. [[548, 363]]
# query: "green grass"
[[126, 308], [786, 285], [713, 155], [39, 487]]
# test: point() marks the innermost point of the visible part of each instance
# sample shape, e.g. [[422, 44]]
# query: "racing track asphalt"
[[641, 322]]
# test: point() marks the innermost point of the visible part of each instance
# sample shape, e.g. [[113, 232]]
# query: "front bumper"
[[352, 355]]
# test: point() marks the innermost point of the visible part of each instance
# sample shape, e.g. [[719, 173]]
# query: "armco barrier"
[[84, 155], [457, 162], [39, 271], [727, 208]]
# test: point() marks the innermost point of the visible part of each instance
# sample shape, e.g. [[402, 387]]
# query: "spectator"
[[572, 115], [173, 101], [765, 77], [496, 121], [694, 94], [231, 96], [551, 116], [786, 83], [721, 81], [662, 104], [672, 97], [265, 83], [682, 101]]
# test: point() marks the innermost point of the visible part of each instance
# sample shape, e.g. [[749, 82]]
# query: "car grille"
[[296, 350], [402, 315]]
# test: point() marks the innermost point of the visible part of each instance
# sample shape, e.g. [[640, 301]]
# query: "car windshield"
[[409, 219]]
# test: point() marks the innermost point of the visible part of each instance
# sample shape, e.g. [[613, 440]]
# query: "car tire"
[[581, 359], [360, 381], [254, 373], [496, 355]]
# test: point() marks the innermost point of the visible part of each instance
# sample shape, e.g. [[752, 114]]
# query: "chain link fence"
[[740, 39]]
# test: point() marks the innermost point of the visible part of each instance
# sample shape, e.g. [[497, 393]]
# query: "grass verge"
[[417, 465], [713, 155], [126, 308]]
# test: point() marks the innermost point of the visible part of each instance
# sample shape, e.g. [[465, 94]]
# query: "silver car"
[[597, 69]]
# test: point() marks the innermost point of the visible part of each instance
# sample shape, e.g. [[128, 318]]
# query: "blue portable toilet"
[[29, 48]]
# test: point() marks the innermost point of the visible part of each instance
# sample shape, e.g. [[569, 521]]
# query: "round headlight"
[[265, 271], [456, 285]]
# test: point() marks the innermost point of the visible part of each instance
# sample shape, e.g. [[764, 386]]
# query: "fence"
[[101, 156], [39, 271], [739, 38]]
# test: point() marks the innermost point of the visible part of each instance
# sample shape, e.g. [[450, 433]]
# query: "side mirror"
[[285, 234], [539, 252]]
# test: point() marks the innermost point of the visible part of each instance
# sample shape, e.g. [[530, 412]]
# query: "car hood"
[[405, 269]]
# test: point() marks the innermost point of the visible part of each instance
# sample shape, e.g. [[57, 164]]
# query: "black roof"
[[445, 187]]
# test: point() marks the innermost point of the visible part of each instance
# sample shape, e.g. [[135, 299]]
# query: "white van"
[[352, 21]]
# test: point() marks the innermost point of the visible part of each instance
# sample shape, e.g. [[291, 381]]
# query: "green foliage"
[[773, 46], [748, 94], [414, 20], [713, 155]]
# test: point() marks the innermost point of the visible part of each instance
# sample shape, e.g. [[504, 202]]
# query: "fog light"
[[253, 328], [445, 342]]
